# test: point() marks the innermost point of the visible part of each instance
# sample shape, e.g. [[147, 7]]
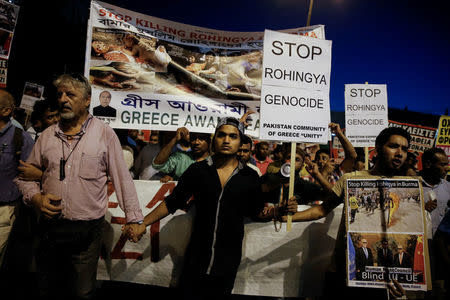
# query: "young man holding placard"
[[392, 147]]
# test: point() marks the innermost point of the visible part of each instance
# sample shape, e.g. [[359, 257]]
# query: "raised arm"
[[166, 150], [349, 151], [313, 169]]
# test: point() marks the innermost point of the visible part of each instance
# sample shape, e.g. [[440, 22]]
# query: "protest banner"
[[154, 67], [422, 138], [277, 264], [295, 93], [443, 136], [8, 18], [32, 92], [386, 210], [366, 113]]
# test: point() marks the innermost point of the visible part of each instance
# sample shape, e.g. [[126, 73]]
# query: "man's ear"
[[88, 102]]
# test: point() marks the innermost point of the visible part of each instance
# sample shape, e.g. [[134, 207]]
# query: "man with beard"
[[224, 192], [391, 146], [174, 164], [77, 156]]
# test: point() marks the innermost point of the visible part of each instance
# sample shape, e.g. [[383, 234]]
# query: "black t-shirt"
[[218, 229]]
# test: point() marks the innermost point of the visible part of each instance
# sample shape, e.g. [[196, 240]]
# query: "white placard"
[[296, 61], [366, 113], [294, 115], [295, 88]]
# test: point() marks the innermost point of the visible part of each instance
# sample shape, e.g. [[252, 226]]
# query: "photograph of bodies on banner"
[[378, 257], [8, 15], [123, 60], [372, 207]]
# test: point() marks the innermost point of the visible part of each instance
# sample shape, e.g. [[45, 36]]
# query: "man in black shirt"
[[104, 110], [225, 191]]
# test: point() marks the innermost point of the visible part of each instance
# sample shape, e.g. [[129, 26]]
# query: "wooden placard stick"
[[291, 183]]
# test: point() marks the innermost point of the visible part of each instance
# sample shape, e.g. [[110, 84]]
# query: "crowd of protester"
[[36, 162]]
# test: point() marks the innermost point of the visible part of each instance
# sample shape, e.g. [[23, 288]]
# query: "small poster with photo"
[[386, 233], [32, 92]]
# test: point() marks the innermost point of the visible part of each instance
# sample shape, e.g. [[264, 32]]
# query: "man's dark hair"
[[386, 133], [262, 143], [202, 136], [40, 107], [430, 154], [326, 151], [246, 140], [360, 155]]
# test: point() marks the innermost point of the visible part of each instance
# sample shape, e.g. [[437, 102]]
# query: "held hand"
[[47, 204], [166, 178], [292, 204], [287, 208], [335, 128], [29, 172], [431, 205], [134, 231], [396, 290]]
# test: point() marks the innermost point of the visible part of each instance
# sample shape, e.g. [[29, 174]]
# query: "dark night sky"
[[403, 44]]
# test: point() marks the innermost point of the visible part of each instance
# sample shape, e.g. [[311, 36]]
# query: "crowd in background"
[[165, 156]]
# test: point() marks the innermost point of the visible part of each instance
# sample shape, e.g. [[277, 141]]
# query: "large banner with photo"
[[8, 18], [386, 233], [151, 73], [274, 263]]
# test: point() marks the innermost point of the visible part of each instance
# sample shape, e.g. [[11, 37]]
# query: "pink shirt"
[[262, 165], [97, 155]]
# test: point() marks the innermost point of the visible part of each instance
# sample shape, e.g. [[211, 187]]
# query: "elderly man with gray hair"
[[76, 155]]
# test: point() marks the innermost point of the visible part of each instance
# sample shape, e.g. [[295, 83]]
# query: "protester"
[[78, 155], [409, 167], [436, 192], [175, 164], [45, 113], [224, 192], [262, 156], [142, 168], [392, 146], [244, 153], [322, 157], [441, 250], [15, 145]]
